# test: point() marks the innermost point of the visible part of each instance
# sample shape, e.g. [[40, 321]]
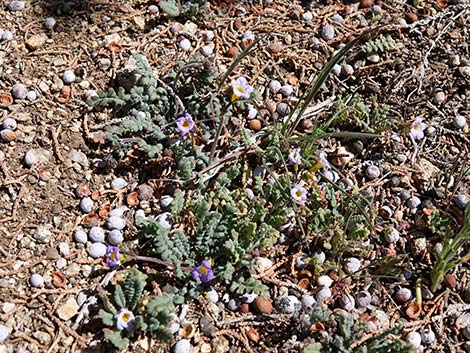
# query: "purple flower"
[[294, 156], [203, 272], [185, 124], [113, 257], [241, 89], [298, 193], [417, 129]]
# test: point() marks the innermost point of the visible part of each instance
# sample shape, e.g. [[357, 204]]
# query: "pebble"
[[414, 338], [373, 172], [347, 70], [80, 236], [31, 96], [18, 90], [282, 109], [336, 69], [86, 204], [207, 50], [164, 220], [261, 264], [459, 121], [464, 70], [352, 265], [96, 234], [403, 295], [36, 41], [391, 235], [64, 248], [166, 201], [31, 158], [8, 135], [118, 211], [97, 250], [347, 302], [10, 124], [207, 36], [182, 346], [43, 233], [233, 304], [68, 77], [78, 157], [428, 336], [288, 305], [337, 18], [115, 222], [323, 294], [4, 333], [325, 281], [68, 310], [49, 22], [308, 302], [462, 201], [307, 16], [363, 298], [36, 280], [60, 263], [115, 237], [185, 44], [327, 32], [212, 296], [118, 184], [376, 10], [6, 36], [286, 90], [413, 202], [16, 5], [274, 86]]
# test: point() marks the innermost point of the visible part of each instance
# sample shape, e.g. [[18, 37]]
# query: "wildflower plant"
[[417, 129], [126, 315]]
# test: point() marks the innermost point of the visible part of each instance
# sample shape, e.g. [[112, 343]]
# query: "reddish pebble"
[[365, 4], [411, 17], [245, 308], [450, 281]]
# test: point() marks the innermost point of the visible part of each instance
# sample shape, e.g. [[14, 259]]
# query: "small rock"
[[308, 302], [459, 121], [10, 124], [325, 281], [465, 71], [36, 41], [49, 22], [327, 32], [206, 325], [428, 336], [363, 298], [43, 233], [219, 344], [80, 236], [274, 86], [413, 202], [36, 280], [166, 201], [16, 5], [185, 44], [307, 16], [31, 96], [372, 172], [97, 250], [68, 310], [115, 237], [43, 337], [352, 265], [139, 22], [19, 91], [7, 36], [4, 333], [263, 306], [233, 304], [68, 77], [462, 201], [64, 248], [31, 158], [286, 90], [96, 234], [86, 204], [7, 135], [119, 184], [288, 305], [78, 157], [347, 302], [115, 222], [414, 338], [182, 346], [261, 264], [403, 295]]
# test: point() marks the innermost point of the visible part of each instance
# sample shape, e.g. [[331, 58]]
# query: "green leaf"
[[107, 317], [116, 339], [169, 8], [133, 287], [119, 297]]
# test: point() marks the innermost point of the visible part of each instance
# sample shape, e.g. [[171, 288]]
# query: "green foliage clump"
[[150, 319], [348, 334], [380, 44]]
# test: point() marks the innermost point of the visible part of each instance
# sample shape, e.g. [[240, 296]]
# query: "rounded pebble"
[[286, 90], [308, 302], [166, 201], [207, 36], [68, 77], [182, 346], [363, 298], [413, 202], [86, 205], [327, 32], [96, 234], [462, 201], [282, 108], [459, 121], [212, 296], [347, 302], [36, 280], [233, 304], [164, 220], [115, 237], [414, 338], [336, 69], [325, 281], [6, 36], [9, 123], [115, 222], [185, 44], [275, 86], [352, 265], [64, 248], [18, 91], [49, 22], [403, 295], [80, 236], [391, 235], [4, 333], [16, 5], [97, 250], [207, 50], [31, 158], [307, 16], [289, 304], [323, 294], [118, 184], [347, 70], [428, 336], [372, 172]]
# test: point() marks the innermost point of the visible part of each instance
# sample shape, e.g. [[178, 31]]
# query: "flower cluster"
[[203, 272]]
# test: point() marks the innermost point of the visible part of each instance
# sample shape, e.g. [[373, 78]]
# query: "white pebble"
[[307, 302], [31, 158], [86, 205], [403, 295], [16, 5], [289, 304], [96, 234], [372, 172], [323, 294], [286, 90], [212, 296], [352, 265], [249, 297], [185, 44], [10, 124], [61, 263], [413, 202], [275, 86], [36, 280], [64, 248], [414, 338], [115, 237], [391, 235], [166, 201], [164, 220], [118, 211], [325, 281], [49, 22], [4, 333], [115, 222], [118, 184], [347, 302], [428, 336], [327, 32], [97, 250], [336, 69], [6, 36], [307, 16], [182, 346], [68, 77], [319, 257], [139, 214], [18, 90], [207, 36], [80, 236], [459, 121], [207, 50]]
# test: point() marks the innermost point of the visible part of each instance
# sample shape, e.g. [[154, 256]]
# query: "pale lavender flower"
[[294, 156], [324, 162], [298, 193], [185, 124], [241, 88], [417, 129], [203, 272], [113, 258], [125, 320]]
